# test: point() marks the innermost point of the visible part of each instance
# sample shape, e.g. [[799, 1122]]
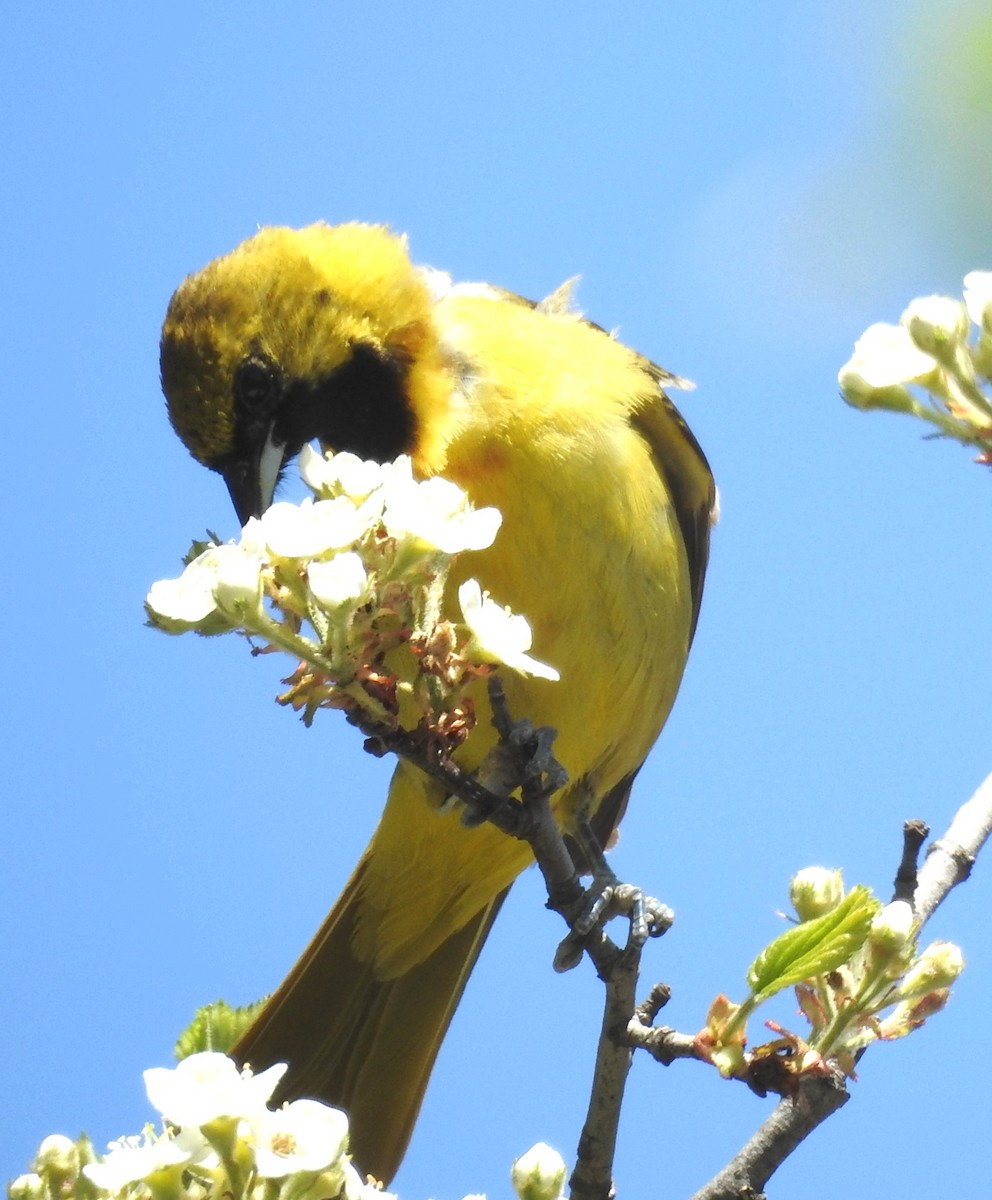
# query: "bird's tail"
[[360, 1042]]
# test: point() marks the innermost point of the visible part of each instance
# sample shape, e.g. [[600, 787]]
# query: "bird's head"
[[324, 332]]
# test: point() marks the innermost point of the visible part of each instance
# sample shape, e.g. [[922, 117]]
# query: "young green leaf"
[[814, 947]]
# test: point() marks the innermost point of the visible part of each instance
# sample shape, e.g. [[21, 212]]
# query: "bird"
[[332, 334]]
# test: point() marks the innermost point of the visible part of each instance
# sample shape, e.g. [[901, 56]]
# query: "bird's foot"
[[605, 899], [521, 761]]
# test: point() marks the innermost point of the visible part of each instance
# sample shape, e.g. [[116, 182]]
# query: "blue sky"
[[742, 191]]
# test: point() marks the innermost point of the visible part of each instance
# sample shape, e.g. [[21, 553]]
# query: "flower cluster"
[[354, 583], [858, 977], [934, 349], [220, 1141]]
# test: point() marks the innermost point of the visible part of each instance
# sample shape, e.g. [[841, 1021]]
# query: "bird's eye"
[[256, 384]]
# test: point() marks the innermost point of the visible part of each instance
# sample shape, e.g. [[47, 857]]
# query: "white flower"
[[497, 634], [884, 356], [303, 1136], [131, 1159], [438, 512], [252, 540], [539, 1174], [356, 1188], [935, 322], [206, 1086], [237, 578], [978, 297], [225, 577], [188, 599], [311, 528], [341, 580], [342, 474]]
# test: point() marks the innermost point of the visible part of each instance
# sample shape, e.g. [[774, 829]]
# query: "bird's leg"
[[605, 898], [521, 761]]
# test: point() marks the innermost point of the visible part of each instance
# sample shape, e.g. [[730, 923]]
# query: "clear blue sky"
[[743, 189]]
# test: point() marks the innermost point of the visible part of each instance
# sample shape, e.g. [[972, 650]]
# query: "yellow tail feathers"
[[361, 1043]]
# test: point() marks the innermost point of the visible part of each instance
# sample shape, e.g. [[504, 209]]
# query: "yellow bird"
[[332, 333]]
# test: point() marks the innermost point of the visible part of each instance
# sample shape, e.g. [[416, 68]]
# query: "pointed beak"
[[251, 481], [243, 486]]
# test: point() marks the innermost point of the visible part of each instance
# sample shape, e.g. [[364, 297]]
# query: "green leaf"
[[216, 1026], [814, 947]]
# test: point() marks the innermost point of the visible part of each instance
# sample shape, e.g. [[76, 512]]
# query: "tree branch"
[[949, 861], [744, 1177]]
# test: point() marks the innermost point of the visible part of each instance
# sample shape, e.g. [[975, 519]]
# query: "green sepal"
[[814, 947], [211, 625], [197, 547]]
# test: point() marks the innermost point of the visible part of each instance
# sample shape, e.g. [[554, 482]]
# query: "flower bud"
[[937, 324], [27, 1187], [911, 1014], [815, 891], [937, 967], [891, 932], [340, 581], [539, 1174], [58, 1157]]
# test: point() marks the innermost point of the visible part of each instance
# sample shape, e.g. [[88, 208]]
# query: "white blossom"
[[207, 1086], [884, 356], [342, 474], [311, 528], [131, 1159], [438, 513], [340, 581], [497, 634], [188, 599], [237, 579], [303, 1136], [355, 1186]]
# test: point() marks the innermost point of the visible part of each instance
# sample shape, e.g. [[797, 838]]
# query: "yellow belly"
[[590, 551]]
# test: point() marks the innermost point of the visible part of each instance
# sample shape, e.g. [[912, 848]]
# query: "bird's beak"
[[251, 481]]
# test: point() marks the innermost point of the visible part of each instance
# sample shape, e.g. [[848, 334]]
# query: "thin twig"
[[914, 834], [662, 1042]]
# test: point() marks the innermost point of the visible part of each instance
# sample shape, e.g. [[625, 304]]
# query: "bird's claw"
[[522, 760], [608, 898]]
